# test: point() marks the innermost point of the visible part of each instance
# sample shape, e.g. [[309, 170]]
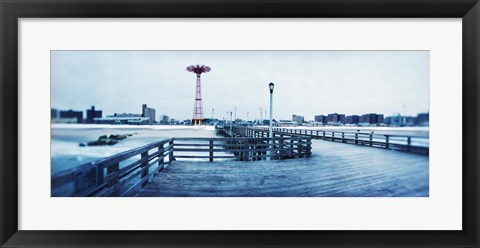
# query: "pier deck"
[[334, 170]]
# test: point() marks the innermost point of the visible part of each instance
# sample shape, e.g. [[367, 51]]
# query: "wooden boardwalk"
[[334, 170]]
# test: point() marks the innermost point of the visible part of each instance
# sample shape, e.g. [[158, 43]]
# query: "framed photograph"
[[247, 124]]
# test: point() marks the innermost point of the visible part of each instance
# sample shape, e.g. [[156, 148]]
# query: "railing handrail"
[[238, 138], [406, 142], [363, 132], [107, 161]]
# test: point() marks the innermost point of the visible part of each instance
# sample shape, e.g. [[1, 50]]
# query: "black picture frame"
[[12, 10]]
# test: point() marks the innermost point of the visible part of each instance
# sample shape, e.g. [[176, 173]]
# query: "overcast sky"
[[307, 83]]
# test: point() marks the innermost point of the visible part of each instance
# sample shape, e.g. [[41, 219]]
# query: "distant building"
[[352, 119], [423, 119], [286, 123], [148, 112], [395, 120], [399, 120], [54, 114], [409, 120], [207, 121], [72, 114], [92, 113], [339, 119], [298, 119], [379, 119], [336, 118], [123, 120], [371, 118], [367, 118], [125, 115], [321, 119]]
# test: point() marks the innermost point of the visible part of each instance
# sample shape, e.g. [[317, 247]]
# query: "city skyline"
[[307, 83], [89, 114]]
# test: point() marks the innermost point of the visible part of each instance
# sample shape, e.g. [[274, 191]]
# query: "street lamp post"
[[231, 123], [270, 129]]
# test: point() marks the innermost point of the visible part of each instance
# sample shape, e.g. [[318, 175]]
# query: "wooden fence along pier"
[[408, 143], [243, 148], [124, 174]]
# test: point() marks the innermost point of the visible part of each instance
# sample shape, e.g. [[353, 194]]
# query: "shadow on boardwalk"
[[335, 170]]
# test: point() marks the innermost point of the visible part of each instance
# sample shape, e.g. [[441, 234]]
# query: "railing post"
[[317, 134], [409, 143], [272, 147], [143, 168], [356, 139], [113, 182], [371, 139], [300, 147], [309, 146], [323, 135], [386, 141], [161, 162], [333, 136], [280, 146], [100, 177], [343, 137], [170, 155], [211, 151], [292, 148], [246, 150]]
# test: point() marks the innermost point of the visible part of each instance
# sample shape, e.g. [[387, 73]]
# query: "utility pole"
[[270, 129], [231, 123]]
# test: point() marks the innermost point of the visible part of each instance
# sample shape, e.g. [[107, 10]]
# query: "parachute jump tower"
[[198, 109]]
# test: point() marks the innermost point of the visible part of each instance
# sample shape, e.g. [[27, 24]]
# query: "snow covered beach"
[[65, 139]]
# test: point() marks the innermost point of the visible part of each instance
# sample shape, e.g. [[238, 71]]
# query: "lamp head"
[[271, 85]]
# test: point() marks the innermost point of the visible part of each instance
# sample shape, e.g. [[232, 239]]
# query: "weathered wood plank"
[[334, 170]]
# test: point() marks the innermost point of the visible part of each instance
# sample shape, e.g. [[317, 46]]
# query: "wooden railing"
[[409, 143], [127, 172], [119, 175], [242, 148]]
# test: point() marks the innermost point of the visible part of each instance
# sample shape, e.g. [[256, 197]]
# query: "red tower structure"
[[198, 109]]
